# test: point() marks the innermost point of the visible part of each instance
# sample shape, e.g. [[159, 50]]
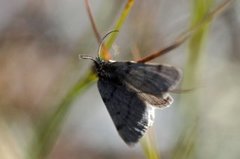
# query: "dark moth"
[[127, 87]]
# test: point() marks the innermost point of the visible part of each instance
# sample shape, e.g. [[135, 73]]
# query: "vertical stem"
[[149, 146], [190, 102]]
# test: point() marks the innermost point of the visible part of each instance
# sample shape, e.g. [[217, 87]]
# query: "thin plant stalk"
[[149, 146], [188, 33]]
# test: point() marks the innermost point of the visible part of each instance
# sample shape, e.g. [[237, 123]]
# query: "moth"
[[131, 91]]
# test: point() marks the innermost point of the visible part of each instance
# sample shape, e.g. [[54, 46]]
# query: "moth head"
[[98, 62]]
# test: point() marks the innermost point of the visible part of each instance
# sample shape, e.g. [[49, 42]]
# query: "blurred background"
[[40, 41]]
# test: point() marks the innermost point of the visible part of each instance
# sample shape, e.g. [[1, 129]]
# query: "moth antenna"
[[102, 41], [87, 57]]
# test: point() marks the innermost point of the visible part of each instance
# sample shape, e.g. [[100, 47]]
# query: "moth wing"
[[129, 113], [162, 101], [150, 79], [159, 102]]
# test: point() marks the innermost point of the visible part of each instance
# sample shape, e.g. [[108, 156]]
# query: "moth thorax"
[[102, 69]]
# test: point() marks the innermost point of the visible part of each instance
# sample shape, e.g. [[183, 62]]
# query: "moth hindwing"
[[127, 87]]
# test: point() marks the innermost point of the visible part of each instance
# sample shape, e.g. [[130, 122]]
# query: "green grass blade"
[[47, 133], [149, 147], [120, 22], [188, 143]]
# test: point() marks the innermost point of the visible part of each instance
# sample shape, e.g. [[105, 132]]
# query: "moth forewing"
[[148, 78], [128, 112]]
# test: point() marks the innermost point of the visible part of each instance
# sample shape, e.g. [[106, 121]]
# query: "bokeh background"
[[40, 41]]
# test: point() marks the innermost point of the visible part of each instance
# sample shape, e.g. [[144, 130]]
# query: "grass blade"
[[47, 132]]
